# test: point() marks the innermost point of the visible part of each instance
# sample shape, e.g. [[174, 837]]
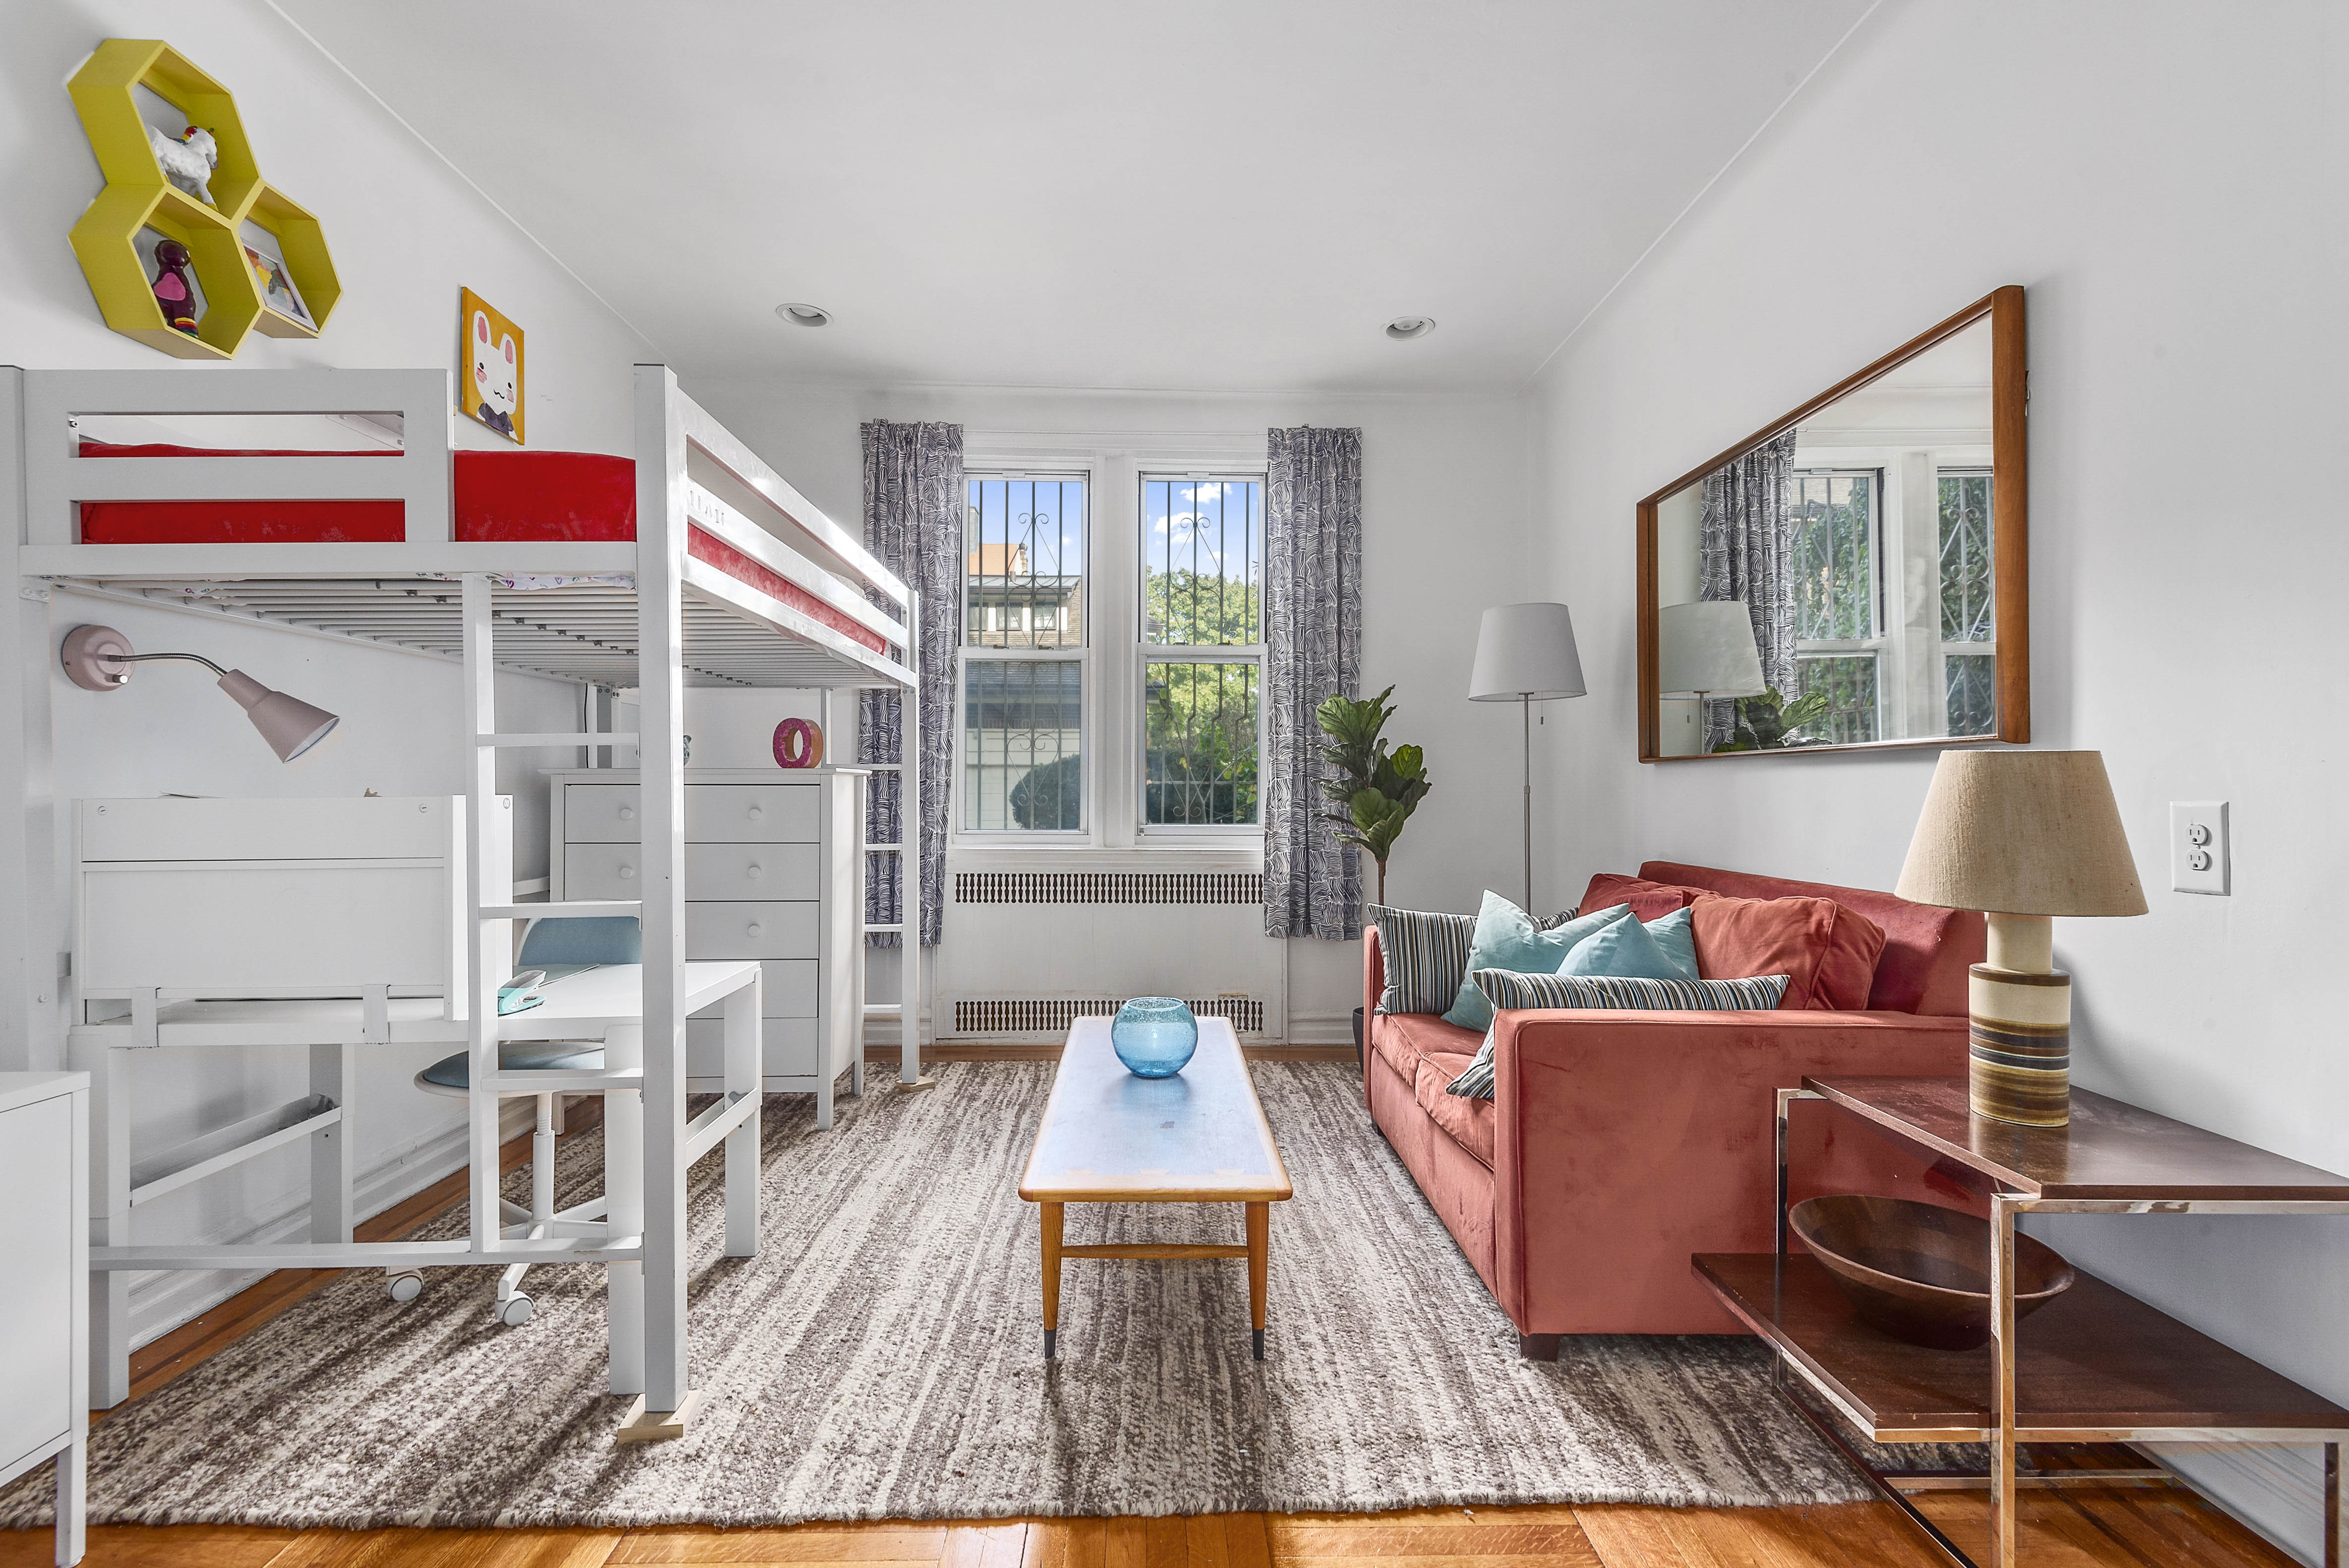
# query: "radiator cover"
[[1027, 952]]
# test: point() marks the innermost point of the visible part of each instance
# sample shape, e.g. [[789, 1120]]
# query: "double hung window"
[[1839, 596], [1115, 719], [1202, 649], [1024, 655]]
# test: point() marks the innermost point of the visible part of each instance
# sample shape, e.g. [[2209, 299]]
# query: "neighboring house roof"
[[998, 560]]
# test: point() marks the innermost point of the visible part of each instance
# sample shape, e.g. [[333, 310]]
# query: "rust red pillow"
[[1827, 952], [1649, 901]]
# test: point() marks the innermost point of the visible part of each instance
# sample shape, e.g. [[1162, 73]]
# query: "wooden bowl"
[[1921, 1273]]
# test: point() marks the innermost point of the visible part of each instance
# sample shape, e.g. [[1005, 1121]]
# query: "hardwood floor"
[[2145, 1527], [2154, 1529]]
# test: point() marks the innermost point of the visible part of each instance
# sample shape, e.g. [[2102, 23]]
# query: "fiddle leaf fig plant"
[[1377, 788]]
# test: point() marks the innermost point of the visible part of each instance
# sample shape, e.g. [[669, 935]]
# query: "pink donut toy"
[[799, 743]]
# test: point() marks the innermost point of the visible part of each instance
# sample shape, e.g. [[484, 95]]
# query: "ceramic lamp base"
[[2019, 1056]]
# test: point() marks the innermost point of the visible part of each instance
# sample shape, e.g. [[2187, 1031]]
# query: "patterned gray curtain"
[[914, 521], [1745, 550], [1313, 650]]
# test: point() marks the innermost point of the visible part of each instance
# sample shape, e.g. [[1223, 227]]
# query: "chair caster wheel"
[[405, 1286], [516, 1310]]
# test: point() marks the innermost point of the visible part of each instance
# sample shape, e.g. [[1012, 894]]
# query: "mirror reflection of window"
[[1839, 597], [1969, 633], [1867, 568]]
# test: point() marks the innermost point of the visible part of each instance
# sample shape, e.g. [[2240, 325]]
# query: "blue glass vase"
[[1153, 1036]]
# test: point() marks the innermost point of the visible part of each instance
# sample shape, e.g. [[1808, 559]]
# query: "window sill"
[[1219, 855]]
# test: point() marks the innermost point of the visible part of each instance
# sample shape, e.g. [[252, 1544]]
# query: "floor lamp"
[[1525, 655]]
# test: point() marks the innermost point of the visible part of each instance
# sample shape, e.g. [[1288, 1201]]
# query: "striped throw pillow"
[[1426, 958], [1505, 990], [1426, 955]]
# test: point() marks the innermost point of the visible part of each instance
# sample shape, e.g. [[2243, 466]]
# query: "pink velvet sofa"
[[1618, 1143]]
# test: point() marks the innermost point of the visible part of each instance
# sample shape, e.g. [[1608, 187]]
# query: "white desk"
[[604, 1004]]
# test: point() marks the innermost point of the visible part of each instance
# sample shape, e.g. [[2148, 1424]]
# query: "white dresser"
[[45, 1296], [772, 872]]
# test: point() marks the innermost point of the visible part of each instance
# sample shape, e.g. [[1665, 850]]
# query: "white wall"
[[406, 234], [1443, 528], [2164, 180]]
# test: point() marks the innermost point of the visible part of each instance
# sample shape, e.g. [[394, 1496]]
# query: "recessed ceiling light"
[[805, 314], [1404, 327]]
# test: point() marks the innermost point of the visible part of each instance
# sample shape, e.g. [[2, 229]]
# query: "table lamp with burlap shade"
[[2023, 836]]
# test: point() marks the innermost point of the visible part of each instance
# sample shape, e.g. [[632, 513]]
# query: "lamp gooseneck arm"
[[142, 658]]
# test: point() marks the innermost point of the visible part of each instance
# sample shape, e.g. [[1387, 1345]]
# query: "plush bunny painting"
[[491, 388], [497, 375]]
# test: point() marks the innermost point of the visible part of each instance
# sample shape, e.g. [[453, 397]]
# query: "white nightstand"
[[45, 1292]]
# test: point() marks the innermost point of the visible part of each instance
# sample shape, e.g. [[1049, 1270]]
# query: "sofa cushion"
[[1649, 899], [1927, 950], [1754, 994], [1506, 937], [1659, 949], [1468, 1123], [1827, 952], [1406, 1039], [1427, 954]]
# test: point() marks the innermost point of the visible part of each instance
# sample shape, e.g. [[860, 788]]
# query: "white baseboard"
[[161, 1303], [2277, 1491], [1320, 1029]]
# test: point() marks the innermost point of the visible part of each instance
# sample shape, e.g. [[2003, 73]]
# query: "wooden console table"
[[2096, 1365]]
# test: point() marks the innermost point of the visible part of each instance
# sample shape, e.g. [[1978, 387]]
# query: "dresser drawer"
[[718, 813], [751, 930], [773, 873], [739, 813], [600, 814]]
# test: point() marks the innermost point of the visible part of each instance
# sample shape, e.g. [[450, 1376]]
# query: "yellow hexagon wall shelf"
[[138, 197]]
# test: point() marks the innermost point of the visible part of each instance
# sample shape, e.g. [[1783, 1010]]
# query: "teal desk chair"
[[552, 948]]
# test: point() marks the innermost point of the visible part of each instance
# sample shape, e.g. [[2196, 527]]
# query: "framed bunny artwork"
[[490, 386]]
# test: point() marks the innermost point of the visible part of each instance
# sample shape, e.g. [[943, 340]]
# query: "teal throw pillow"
[[1660, 949], [1508, 938]]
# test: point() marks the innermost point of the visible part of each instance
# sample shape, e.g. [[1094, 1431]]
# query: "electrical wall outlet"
[[2198, 846]]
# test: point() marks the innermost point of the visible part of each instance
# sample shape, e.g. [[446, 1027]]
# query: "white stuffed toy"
[[188, 160]]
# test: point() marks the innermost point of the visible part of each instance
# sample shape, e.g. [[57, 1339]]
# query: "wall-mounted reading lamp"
[[97, 658]]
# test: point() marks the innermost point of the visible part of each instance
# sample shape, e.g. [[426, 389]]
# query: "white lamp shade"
[[1707, 647], [1526, 651]]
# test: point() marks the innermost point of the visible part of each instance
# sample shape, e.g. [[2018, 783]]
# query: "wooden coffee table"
[[1199, 1136]]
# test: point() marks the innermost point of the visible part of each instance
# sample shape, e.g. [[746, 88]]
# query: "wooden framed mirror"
[[1855, 576]]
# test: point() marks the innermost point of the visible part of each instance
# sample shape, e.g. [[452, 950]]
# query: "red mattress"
[[499, 496]]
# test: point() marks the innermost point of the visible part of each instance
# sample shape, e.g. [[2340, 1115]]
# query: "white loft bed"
[[643, 613]]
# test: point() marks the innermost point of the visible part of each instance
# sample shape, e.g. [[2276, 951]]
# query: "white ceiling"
[[1197, 194]]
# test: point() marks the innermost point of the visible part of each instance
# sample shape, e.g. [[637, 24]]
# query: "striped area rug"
[[880, 1360]]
